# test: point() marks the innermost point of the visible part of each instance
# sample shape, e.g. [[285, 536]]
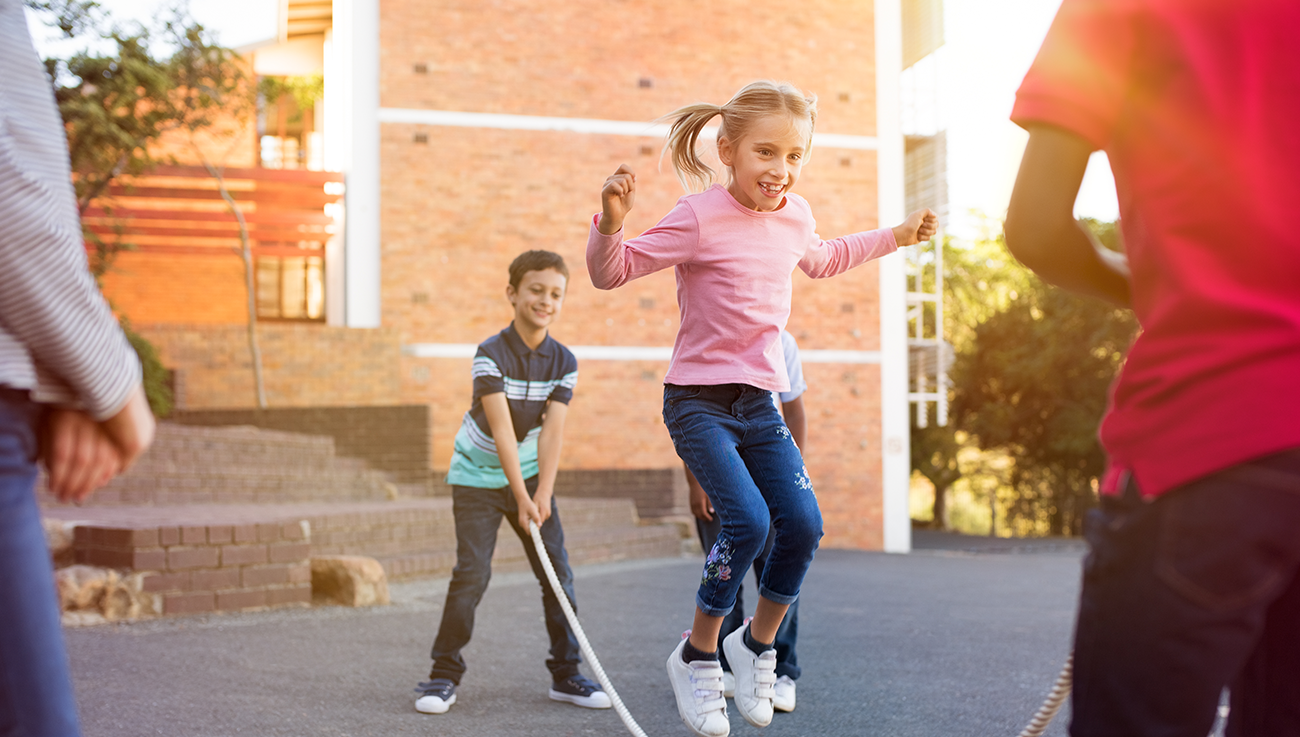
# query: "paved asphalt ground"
[[962, 638]]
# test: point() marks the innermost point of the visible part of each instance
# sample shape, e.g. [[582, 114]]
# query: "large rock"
[[350, 580], [89, 595]]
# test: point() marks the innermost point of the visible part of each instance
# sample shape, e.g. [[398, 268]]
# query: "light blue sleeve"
[[793, 368]]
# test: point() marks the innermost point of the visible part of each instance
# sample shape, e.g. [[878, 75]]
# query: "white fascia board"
[[459, 119]]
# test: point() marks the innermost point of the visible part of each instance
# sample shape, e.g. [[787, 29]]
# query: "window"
[[291, 287]]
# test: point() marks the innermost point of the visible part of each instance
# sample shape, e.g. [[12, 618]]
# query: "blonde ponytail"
[[687, 122]]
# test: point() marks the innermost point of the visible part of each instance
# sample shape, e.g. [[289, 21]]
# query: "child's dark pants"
[[1187, 594], [478, 517]]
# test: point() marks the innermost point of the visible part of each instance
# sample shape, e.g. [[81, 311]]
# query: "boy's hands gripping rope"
[[537, 509], [616, 199], [919, 227]]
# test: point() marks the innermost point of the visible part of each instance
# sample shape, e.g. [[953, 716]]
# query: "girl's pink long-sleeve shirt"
[[733, 268]]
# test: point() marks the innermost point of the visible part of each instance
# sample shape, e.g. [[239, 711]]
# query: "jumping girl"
[[734, 249]]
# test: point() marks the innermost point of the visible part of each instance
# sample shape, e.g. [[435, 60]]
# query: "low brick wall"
[[207, 568], [303, 364], [659, 493], [393, 438]]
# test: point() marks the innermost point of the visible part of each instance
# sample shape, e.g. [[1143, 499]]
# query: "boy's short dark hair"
[[536, 261]]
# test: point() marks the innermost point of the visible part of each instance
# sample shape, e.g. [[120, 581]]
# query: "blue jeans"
[[35, 684], [478, 517], [1187, 594], [735, 442], [787, 660]]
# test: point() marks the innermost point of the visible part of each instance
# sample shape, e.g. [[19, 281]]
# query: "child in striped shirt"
[[504, 464]]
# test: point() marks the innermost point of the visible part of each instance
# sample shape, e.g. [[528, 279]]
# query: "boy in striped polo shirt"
[[523, 381]]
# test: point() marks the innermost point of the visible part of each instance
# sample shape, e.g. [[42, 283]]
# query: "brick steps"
[[230, 557], [227, 519], [240, 465]]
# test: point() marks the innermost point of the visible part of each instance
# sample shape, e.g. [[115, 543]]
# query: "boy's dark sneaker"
[[436, 696], [580, 691]]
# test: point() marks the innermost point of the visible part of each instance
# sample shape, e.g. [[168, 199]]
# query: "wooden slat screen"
[[178, 210]]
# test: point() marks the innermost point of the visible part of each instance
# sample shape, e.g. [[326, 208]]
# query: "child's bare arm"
[[1041, 230], [503, 432], [549, 444], [919, 227]]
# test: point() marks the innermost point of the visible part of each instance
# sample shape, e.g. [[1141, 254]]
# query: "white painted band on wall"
[[630, 353], [458, 119]]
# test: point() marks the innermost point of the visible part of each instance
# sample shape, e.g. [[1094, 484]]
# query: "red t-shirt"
[[1197, 105]]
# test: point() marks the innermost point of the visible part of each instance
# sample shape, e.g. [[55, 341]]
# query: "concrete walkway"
[[946, 641]]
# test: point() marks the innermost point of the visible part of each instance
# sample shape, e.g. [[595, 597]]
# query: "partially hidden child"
[[734, 248], [506, 456]]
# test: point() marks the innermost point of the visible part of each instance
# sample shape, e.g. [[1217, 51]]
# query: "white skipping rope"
[[569, 614], [1060, 690], [1041, 718]]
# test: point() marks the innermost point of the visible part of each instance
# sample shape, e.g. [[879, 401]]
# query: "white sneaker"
[[755, 678], [436, 696], [728, 684], [783, 700], [698, 688]]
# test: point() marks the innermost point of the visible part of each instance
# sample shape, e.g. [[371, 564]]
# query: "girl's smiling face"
[[766, 161]]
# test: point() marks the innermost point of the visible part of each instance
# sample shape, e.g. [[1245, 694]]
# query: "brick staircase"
[[226, 519]]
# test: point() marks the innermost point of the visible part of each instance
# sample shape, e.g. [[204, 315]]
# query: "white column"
[[335, 139], [353, 101], [895, 453]]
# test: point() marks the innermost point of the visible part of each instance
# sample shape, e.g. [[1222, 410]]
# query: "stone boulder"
[[350, 580], [90, 595]]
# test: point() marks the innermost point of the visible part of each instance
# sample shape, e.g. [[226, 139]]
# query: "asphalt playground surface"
[[964, 636]]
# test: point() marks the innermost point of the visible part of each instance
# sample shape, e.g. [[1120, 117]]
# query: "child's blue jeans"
[[35, 684], [478, 517], [735, 442]]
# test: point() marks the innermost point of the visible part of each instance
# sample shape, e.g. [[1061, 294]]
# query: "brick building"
[[470, 131]]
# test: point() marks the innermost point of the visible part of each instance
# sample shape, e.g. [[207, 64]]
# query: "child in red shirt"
[[1192, 580]]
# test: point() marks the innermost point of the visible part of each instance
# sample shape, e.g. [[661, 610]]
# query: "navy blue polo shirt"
[[530, 378]]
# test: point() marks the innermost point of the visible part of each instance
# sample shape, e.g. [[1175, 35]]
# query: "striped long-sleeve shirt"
[[58, 338]]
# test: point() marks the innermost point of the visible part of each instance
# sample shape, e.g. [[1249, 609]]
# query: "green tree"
[[117, 105], [980, 278], [1033, 383]]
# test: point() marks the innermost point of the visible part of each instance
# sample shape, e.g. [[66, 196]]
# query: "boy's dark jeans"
[[478, 516], [1182, 596]]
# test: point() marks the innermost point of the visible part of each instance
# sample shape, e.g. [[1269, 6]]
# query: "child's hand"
[[528, 511], [701, 507], [616, 199], [919, 227], [79, 455]]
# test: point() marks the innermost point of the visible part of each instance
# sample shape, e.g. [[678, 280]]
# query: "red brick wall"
[[303, 365], [458, 208], [220, 567], [180, 290]]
